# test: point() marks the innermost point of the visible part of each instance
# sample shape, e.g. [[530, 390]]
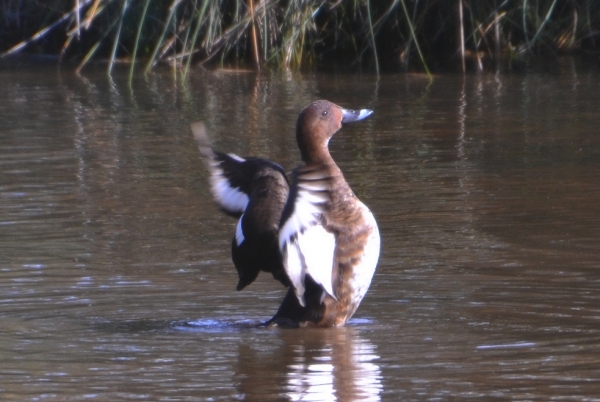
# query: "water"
[[115, 276]]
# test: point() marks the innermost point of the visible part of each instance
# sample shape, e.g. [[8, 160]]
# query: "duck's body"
[[327, 239]]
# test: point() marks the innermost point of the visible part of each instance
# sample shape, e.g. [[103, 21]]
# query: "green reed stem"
[[136, 44], [546, 19], [200, 19], [414, 36], [525, 34], [117, 37], [159, 42], [95, 47], [372, 36]]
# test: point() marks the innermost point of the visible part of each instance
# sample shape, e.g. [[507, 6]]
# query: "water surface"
[[116, 281]]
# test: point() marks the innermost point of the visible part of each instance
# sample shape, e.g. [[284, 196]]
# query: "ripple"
[[211, 325]]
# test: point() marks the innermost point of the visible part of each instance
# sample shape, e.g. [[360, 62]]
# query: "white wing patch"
[[295, 268], [308, 208], [229, 198], [236, 158], [239, 233], [306, 246], [311, 252], [317, 245]]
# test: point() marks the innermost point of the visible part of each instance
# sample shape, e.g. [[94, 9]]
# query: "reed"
[[293, 34]]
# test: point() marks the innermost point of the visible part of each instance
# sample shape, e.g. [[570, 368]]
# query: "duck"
[[308, 229]]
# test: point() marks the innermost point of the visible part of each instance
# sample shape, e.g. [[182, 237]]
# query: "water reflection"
[[311, 365]]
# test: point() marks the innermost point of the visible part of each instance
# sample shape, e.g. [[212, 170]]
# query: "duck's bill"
[[355, 115]]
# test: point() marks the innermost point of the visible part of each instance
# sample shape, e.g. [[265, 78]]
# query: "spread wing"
[[306, 245], [229, 179]]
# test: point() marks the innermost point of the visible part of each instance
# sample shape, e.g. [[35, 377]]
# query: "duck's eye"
[[324, 113]]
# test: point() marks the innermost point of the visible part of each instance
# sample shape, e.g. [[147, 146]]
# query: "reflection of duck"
[[315, 235], [313, 365]]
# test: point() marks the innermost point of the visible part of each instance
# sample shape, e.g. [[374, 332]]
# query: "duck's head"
[[317, 123]]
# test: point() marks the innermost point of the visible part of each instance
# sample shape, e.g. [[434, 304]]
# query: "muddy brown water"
[[115, 276]]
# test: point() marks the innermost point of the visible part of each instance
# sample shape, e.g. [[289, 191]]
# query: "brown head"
[[317, 123]]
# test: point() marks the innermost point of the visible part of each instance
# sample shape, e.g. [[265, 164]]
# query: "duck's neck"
[[324, 158], [314, 153]]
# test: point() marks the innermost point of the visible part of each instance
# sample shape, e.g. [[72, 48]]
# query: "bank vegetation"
[[375, 35]]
